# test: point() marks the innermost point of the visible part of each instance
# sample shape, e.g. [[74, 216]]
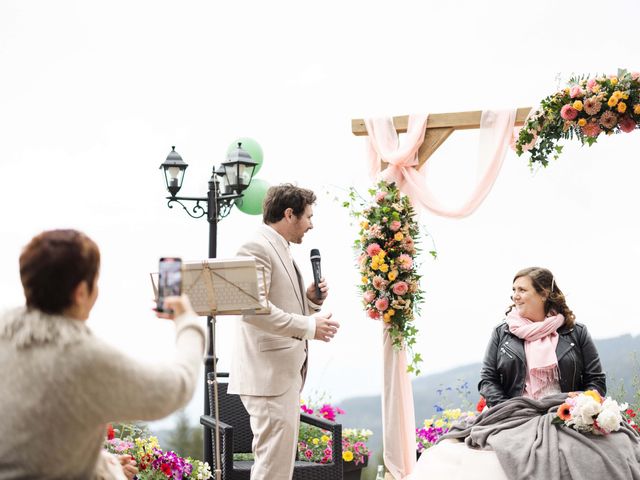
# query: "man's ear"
[[288, 213]]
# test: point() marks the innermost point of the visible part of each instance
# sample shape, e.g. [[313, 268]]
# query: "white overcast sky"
[[93, 95]]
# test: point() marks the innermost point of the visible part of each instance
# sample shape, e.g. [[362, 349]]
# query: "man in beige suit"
[[269, 361]]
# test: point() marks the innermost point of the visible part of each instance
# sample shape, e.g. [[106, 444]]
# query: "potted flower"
[[153, 462], [315, 445]]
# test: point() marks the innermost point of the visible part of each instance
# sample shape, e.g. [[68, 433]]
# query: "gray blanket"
[[529, 446]]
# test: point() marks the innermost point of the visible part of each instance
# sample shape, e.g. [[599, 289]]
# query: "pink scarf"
[[540, 341]]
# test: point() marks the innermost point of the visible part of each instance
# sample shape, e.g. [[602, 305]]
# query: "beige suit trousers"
[[274, 421]]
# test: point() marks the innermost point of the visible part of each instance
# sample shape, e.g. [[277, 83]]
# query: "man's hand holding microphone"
[[317, 293]]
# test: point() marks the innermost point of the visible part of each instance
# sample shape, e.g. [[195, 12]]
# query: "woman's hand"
[[128, 466], [178, 305]]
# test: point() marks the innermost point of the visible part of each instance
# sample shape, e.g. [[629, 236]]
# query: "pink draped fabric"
[[496, 129], [398, 417]]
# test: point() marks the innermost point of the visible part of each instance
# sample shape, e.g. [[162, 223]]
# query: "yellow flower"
[[428, 423], [595, 395], [439, 423], [386, 318], [347, 456], [622, 107], [582, 122], [393, 274], [614, 80], [324, 439], [381, 254], [384, 267], [391, 312], [566, 91], [624, 96], [315, 441], [613, 101], [365, 279], [595, 88], [617, 95], [398, 236], [636, 109], [577, 105], [364, 225]]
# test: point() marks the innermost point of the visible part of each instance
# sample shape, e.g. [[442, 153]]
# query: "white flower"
[[584, 410], [609, 420]]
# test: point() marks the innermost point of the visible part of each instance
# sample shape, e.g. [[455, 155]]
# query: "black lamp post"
[[236, 174]]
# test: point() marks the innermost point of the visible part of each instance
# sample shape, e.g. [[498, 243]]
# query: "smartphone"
[[169, 280]]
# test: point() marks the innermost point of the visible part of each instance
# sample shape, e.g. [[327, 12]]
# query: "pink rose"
[[380, 196], [627, 124], [635, 75], [395, 226], [369, 296], [373, 249], [568, 112], [400, 288], [576, 92], [591, 83], [382, 304], [373, 314]]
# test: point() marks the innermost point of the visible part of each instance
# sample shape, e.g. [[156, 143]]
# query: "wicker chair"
[[236, 437]]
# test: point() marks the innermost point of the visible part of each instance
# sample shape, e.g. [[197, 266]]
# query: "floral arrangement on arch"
[[585, 108], [153, 463], [588, 412], [315, 445], [386, 248]]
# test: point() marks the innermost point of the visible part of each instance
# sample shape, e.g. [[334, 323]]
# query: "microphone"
[[315, 266]]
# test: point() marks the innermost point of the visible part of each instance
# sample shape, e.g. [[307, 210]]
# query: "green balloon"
[[252, 147], [253, 196]]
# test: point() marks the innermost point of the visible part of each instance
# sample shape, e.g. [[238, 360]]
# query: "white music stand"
[[221, 287]]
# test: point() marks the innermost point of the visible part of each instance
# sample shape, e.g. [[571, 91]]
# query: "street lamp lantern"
[[239, 169], [174, 168]]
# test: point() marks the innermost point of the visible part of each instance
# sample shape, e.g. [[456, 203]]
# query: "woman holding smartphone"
[[61, 384]]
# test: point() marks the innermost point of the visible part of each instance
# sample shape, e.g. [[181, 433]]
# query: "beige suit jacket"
[[269, 350]]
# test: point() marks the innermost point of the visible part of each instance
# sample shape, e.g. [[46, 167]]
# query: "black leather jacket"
[[504, 367]]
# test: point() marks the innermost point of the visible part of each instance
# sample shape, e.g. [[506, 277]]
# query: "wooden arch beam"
[[439, 127]]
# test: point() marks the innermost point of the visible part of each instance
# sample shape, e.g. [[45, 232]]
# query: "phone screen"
[[169, 280]]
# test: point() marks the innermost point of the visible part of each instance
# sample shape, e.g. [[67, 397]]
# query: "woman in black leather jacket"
[[539, 349]]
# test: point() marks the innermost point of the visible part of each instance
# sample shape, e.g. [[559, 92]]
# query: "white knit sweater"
[[60, 385]]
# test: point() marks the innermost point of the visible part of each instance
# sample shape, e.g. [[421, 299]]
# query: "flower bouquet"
[[588, 412], [387, 251], [585, 108], [315, 445], [153, 463]]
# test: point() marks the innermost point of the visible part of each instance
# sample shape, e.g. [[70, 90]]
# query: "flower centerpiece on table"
[[315, 444], [153, 462], [387, 251], [585, 108], [588, 412]]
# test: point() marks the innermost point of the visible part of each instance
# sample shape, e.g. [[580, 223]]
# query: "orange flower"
[[564, 412]]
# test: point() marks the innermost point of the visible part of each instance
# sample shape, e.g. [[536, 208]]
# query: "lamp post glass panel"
[[236, 174]]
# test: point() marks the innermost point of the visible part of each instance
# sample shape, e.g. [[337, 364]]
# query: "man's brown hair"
[[281, 197]]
